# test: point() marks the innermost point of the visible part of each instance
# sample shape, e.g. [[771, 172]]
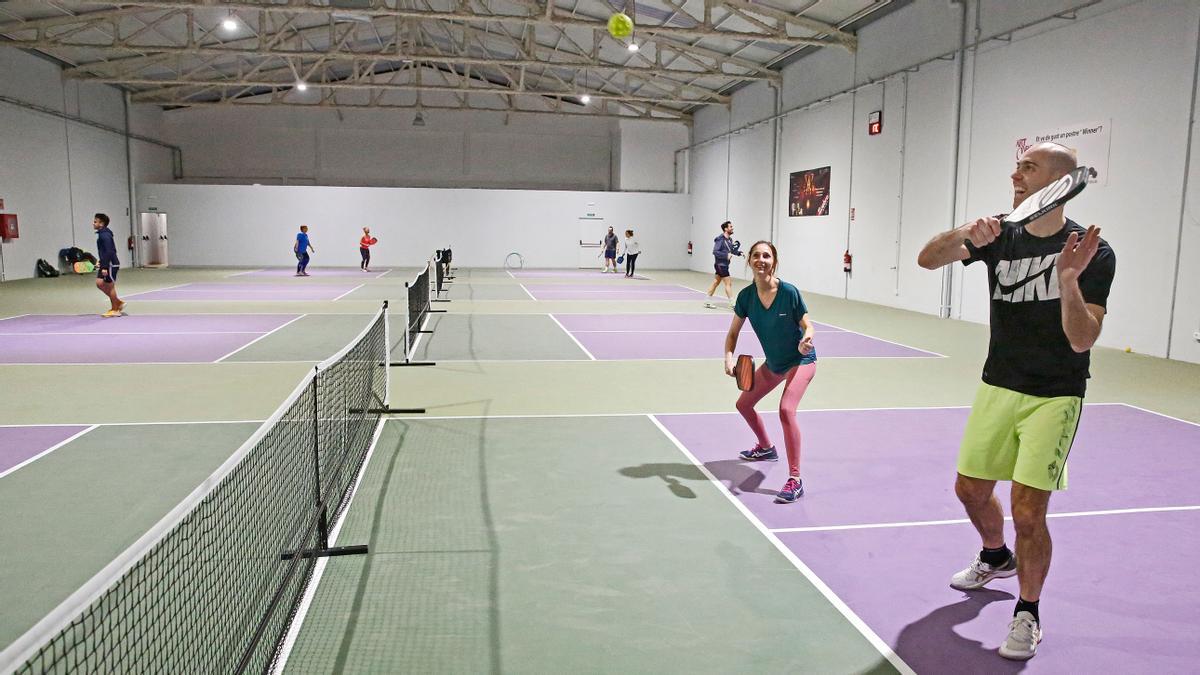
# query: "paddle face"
[[1049, 198], [743, 372]]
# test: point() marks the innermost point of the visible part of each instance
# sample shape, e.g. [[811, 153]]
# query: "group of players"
[[1027, 408]]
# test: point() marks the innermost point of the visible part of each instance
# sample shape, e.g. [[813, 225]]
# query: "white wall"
[[902, 182], [647, 155], [382, 148], [228, 225], [58, 172]]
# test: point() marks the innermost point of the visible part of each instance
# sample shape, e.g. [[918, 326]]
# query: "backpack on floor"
[[45, 269]]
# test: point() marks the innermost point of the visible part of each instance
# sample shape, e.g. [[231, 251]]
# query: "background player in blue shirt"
[[108, 265], [302, 247]]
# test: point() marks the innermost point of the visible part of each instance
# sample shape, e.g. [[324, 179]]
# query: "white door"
[[153, 240], [591, 250]]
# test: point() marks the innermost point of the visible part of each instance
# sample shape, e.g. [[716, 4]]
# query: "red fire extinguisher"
[[689, 248], [847, 259]]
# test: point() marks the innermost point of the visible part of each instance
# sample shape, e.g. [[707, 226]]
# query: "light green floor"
[[500, 544]]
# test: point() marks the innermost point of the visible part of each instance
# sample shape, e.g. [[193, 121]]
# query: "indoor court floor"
[[572, 500]]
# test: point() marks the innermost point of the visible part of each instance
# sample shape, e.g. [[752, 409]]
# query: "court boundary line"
[[573, 338], [47, 364], [310, 592], [198, 332], [873, 337], [128, 424], [966, 521], [273, 330], [153, 290], [238, 274], [347, 292], [17, 316], [840, 605], [30, 460], [522, 285], [542, 415]]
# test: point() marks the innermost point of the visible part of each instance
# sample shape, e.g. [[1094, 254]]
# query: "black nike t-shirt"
[[1029, 351]]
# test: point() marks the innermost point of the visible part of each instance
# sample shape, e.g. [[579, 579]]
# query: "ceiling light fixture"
[[230, 23], [302, 86], [585, 99], [633, 47]]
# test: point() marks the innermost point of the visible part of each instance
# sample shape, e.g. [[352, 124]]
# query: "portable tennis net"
[[214, 585]]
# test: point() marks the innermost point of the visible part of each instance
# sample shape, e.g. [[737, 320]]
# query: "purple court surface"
[[87, 339], [1121, 596], [327, 272], [226, 292], [699, 336], [20, 444], [632, 291], [570, 273]]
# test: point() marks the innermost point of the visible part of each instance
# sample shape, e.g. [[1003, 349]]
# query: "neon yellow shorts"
[[1017, 437]]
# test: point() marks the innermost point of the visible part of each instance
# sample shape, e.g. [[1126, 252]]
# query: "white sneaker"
[[1024, 634], [979, 573]]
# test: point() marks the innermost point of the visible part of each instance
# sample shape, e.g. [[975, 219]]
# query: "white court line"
[[882, 647], [16, 317], [348, 292], [417, 343], [41, 364], [876, 337], [131, 424], [172, 332], [47, 450], [277, 328], [238, 274], [509, 273], [572, 336], [961, 521], [154, 290], [289, 641], [1130, 405], [527, 292], [711, 412]]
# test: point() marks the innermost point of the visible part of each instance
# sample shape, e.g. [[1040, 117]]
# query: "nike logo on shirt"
[[1027, 279]]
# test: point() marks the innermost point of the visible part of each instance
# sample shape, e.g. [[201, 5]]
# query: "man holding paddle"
[[1049, 280]]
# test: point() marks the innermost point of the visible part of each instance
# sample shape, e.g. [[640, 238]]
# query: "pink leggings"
[[764, 381]]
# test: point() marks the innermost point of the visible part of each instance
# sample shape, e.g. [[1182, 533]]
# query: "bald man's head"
[[1058, 158]]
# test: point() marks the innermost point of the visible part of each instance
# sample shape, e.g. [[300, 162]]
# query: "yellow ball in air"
[[620, 25]]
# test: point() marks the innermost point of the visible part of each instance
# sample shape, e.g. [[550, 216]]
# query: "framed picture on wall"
[[808, 193]]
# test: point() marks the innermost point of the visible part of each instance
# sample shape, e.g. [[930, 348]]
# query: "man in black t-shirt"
[[1048, 281]]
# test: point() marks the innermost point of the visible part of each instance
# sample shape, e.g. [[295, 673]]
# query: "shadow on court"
[[670, 474], [931, 644]]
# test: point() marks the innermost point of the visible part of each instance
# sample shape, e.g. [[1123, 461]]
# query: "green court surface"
[[548, 544], [535, 519]]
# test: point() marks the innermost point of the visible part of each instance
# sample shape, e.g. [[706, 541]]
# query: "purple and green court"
[[90, 339], [256, 292], [594, 292], [699, 336], [881, 526], [322, 272], [570, 274]]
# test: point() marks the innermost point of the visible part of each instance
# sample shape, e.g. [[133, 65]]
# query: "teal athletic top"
[[778, 326]]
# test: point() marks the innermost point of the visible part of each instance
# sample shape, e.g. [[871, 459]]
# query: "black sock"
[[996, 557], [1024, 605]]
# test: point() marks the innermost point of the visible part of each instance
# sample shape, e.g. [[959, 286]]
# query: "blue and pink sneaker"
[[792, 490], [758, 454]]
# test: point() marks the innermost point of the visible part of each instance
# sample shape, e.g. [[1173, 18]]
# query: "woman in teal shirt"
[[780, 321]]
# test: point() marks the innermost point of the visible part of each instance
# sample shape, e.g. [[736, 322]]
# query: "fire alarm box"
[[8, 226]]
